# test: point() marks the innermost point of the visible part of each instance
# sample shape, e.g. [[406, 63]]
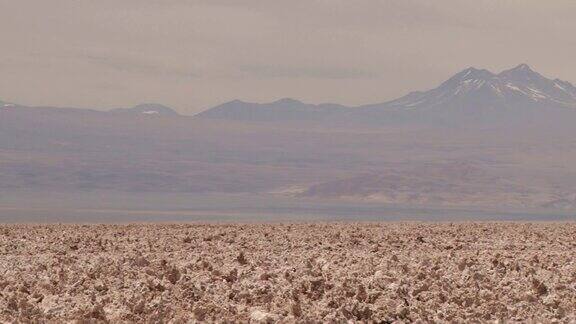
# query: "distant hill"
[[6, 104], [147, 109], [281, 110]]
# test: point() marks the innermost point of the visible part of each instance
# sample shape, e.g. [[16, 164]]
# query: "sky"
[[195, 54]]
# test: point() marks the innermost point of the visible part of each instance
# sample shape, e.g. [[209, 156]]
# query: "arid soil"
[[390, 272]]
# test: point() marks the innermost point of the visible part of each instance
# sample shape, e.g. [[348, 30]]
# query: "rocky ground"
[[386, 272]]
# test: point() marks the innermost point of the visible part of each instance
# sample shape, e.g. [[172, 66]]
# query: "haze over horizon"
[[287, 161], [110, 54]]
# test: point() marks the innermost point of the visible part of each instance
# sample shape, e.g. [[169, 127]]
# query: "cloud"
[[137, 66], [274, 71]]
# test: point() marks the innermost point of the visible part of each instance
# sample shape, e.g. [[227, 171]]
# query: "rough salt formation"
[[391, 272]]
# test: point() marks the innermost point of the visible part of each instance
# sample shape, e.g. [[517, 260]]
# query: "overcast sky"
[[193, 54]]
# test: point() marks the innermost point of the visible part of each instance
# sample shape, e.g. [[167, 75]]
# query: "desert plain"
[[289, 272]]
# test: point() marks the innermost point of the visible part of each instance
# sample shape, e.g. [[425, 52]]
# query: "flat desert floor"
[[321, 272]]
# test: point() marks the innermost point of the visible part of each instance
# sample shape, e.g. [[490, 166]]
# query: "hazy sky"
[[192, 54]]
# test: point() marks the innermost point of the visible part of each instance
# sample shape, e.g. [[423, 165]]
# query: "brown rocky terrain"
[[328, 272]]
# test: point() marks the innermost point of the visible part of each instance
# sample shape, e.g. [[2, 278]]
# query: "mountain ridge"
[[470, 95], [279, 110]]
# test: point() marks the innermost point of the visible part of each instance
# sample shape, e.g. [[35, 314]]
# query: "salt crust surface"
[[333, 272]]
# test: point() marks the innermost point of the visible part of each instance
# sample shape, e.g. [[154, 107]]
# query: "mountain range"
[[471, 96], [422, 149]]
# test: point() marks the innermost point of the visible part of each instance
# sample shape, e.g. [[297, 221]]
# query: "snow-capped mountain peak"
[[522, 73], [474, 88], [472, 74], [478, 94]]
